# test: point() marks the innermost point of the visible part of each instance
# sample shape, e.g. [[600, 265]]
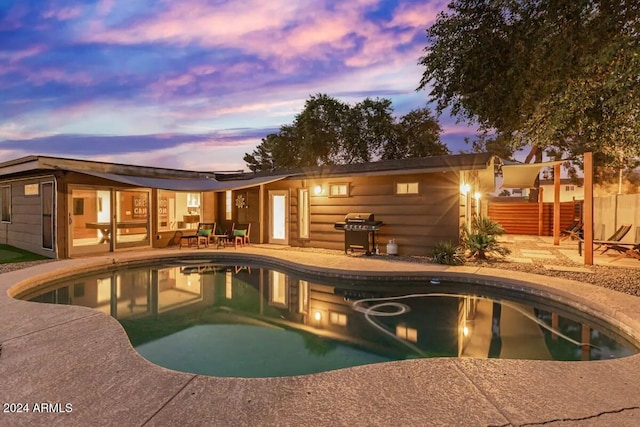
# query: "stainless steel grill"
[[359, 231]]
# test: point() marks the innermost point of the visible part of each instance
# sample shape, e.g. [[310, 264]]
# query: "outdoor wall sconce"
[[317, 190], [477, 195], [317, 315], [465, 188]]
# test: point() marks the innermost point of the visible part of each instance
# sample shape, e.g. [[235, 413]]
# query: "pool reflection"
[[155, 305]]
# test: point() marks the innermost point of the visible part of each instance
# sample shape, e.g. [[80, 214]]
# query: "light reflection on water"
[[249, 321]]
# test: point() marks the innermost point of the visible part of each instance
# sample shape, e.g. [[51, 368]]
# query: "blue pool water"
[[253, 321]]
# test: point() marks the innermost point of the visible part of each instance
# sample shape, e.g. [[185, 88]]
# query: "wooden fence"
[[524, 217]]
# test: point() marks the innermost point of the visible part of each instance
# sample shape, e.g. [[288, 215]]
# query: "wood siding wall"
[[25, 229], [522, 217], [416, 221]]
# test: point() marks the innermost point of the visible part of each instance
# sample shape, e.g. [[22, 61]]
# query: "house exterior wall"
[[25, 228], [568, 192], [415, 221]]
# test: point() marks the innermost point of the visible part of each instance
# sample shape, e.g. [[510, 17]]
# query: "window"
[[303, 211], [409, 334], [339, 190], [228, 285], [278, 288], [303, 294], [228, 206], [178, 210], [339, 319], [407, 188], [31, 189], [569, 188], [5, 195]]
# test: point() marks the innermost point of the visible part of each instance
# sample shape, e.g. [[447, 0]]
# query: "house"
[[64, 208], [570, 190]]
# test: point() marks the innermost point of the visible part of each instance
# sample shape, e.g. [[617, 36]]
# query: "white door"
[[279, 217]]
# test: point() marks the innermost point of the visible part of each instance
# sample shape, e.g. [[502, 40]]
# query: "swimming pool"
[[250, 320]]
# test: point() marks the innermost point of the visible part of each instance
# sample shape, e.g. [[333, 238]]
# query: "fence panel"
[[522, 217]]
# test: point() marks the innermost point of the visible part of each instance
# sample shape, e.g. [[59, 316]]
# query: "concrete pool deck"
[[70, 357]]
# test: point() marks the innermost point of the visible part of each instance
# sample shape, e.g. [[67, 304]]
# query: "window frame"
[[32, 186], [304, 220], [346, 186], [228, 205], [3, 199], [407, 184]]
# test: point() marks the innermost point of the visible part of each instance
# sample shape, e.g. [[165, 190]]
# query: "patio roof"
[[523, 175], [178, 184]]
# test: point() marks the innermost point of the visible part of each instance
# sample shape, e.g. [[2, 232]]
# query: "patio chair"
[[574, 230], [240, 234], [631, 250], [615, 238], [203, 233]]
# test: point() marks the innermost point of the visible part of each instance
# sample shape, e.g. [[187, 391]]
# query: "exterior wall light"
[[317, 315], [317, 190], [465, 188], [477, 195]]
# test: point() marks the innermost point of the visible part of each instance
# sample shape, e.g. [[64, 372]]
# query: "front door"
[[279, 217]]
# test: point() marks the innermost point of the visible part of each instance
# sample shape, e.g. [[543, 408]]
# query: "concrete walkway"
[[78, 364]]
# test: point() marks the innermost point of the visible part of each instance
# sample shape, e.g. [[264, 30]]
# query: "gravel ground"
[[622, 279], [619, 278]]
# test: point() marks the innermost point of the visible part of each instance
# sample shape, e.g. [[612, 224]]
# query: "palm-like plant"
[[482, 238], [448, 253]]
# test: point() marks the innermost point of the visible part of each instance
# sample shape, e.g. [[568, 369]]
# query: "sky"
[[196, 84]]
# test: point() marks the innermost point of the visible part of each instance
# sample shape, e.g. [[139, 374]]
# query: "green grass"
[[10, 254]]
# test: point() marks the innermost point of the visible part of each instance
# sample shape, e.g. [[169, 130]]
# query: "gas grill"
[[359, 231]]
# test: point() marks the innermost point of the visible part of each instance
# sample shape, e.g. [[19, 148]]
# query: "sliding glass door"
[[89, 220]]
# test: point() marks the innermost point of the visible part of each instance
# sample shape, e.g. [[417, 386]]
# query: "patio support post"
[[261, 215], [556, 204], [540, 210], [588, 208]]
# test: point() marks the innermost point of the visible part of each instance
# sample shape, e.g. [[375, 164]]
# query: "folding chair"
[[574, 230], [615, 238]]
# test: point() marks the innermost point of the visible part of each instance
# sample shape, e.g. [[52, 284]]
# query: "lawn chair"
[[613, 240], [204, 232], [574, 230], [631, 250]]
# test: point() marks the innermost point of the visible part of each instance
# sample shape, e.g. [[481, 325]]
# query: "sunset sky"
[[195, 84]]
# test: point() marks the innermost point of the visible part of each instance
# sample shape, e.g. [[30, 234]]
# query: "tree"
[[319, 130], [418, 136], [368, 131], [563, 77], [279, 150], [328, 131]]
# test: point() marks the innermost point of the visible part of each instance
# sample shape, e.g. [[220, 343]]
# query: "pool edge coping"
[[563, 287]]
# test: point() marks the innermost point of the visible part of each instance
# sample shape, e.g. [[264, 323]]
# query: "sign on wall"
[[139, 207]]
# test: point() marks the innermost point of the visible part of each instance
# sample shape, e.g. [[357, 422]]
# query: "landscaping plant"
[[448, 253], [482, 238]]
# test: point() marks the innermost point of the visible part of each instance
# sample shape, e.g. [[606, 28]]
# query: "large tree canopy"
[[328, 131], [560, 76]]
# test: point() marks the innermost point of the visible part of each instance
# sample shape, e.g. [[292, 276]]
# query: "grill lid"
[[359, 217]]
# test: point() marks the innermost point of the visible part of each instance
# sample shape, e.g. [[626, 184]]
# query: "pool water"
[[254, 321]]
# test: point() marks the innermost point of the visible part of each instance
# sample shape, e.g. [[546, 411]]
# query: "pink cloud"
[[46, 75], [275, 30], [63, 14], [105, 7], [18, 55], [417, 15]]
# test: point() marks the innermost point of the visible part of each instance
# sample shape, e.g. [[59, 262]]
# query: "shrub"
[[448, 253], [481, 238]]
